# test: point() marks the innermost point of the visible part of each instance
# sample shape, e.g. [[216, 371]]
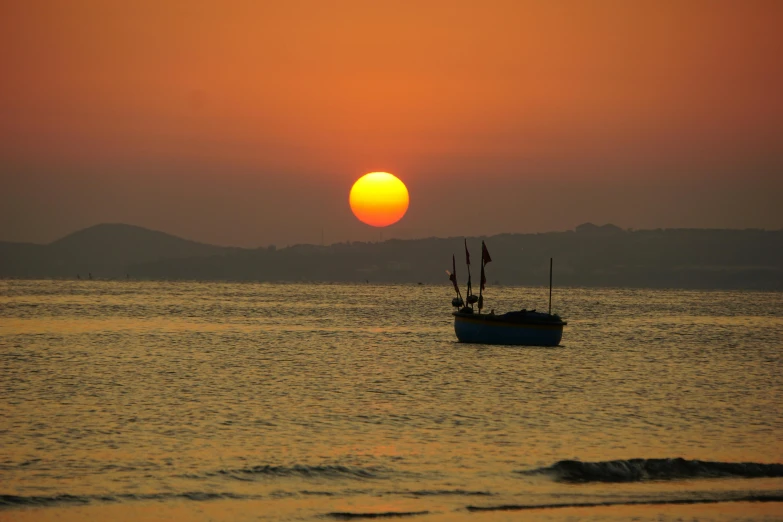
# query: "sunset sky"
[[246, 123]]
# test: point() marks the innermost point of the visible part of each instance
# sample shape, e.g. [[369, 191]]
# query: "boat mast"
[[484, 260], [453, 277], [550, 286], [481, 286], [470, 289]]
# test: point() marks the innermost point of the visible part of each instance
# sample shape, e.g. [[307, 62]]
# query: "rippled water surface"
[[294, 402]]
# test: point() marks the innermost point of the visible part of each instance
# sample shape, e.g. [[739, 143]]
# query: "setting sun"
[[379, 199]]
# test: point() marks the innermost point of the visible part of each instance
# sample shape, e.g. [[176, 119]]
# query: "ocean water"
[[213, 401]]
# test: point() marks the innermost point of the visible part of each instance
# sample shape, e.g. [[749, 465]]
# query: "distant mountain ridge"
[[132, 244], [108, 250], [590, 256]]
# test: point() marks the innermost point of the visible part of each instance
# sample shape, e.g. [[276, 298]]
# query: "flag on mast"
[[485, 254], [484, 260], [453, 275], [467, 260]]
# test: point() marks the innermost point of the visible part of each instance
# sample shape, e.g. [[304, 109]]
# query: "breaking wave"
[[389, 514], [775, 497], [637, 470], [43, 501], [439, 492], [302, 471]]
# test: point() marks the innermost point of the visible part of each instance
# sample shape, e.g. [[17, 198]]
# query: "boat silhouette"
[[519, 328]]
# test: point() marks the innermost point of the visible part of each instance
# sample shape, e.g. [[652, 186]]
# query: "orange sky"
[[247, 122]]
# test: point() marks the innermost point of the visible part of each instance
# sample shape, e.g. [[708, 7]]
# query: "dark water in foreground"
[[298, 402]]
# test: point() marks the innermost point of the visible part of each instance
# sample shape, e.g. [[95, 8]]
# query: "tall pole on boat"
[[467, 262], [481, 287], [550, 286], [484, 260]]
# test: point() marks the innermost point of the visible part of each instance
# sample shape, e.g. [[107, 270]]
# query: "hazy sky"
[[245, 123]]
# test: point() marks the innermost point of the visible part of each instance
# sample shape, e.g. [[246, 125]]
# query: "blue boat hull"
[[487, 329]]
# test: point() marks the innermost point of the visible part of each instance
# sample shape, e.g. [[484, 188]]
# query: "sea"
[[144, 400]]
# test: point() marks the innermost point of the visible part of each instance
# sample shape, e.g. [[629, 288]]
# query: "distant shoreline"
[[589, 257], [446, 287]]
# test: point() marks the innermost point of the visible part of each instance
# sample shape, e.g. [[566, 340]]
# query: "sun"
[[379, 199]]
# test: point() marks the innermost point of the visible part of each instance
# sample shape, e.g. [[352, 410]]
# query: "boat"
[[518, 328], [522, 328]]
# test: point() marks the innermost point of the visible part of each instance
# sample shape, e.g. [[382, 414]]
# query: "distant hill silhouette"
[[108, 250], [590, 256], [589, 228]]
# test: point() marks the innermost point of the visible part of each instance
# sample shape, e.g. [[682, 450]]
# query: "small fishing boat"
[[521, 328]]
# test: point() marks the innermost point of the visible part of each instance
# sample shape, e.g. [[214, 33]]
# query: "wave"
[[439, 492], [637, 470], [302, 471], [14, 501], [54, 500], [346, 515], [775, 497]]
